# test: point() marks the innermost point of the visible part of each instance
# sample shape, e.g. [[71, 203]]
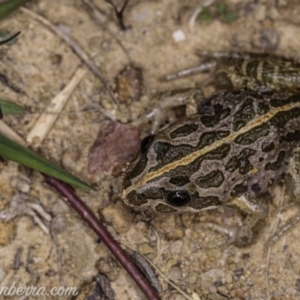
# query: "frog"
[[229, 151]]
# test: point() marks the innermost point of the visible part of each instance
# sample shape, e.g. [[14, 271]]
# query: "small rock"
[[21, 184], [130, 84], [239, 272], [223, 290], [108, 267], [240, 293], [7, 232], [228, 278], [266, 40], [117, 216], [145, 248], [115, 146], [55, 59], [213, 275]]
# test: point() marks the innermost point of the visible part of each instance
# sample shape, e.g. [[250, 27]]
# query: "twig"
[[197, 11], [75, 47], [6, 81], [119, 13], [88, 216], [94, 12], [49, 116]]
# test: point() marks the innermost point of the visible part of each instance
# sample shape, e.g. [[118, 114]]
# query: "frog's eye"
[[178, 198], [146, 142]]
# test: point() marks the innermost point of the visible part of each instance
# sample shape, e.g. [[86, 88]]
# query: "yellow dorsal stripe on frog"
[[227, 140]]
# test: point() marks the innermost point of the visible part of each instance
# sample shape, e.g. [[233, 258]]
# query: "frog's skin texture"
[[229, 153]]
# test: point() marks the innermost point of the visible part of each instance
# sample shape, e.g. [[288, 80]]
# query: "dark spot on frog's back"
[[184, 130], [137, 170], [220, 113], [239, 189], [208, 138], [241, 162], [212, 179], [281, 102], [253, 135], [282, 117], [262, 107], [244, 114], [291, 137], [276, 165], [180, 180], [217, 154], [167, 153], [267, 147]]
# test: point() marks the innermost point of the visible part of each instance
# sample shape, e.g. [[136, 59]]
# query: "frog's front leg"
[[190, 98], [256, 211], [292, 179], [292, 184]]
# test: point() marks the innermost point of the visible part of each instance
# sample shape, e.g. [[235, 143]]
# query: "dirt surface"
[[160, 41]]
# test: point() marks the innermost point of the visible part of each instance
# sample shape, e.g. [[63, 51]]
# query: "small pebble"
[[178, 35]]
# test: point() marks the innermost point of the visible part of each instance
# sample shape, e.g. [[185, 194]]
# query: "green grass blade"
[[11, 108], [15, 152], [10, 6], [9, 40]]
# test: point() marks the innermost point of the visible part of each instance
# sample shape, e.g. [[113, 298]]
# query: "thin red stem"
[[87, 215]]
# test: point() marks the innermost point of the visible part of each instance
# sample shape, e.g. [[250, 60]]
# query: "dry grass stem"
[[11, 134], [48, 118]]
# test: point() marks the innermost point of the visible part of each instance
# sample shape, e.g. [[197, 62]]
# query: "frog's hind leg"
[[223, 55], [293, 176], [292, 182], [205, 66]]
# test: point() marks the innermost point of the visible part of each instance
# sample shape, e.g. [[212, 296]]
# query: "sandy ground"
[[193, 257]]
